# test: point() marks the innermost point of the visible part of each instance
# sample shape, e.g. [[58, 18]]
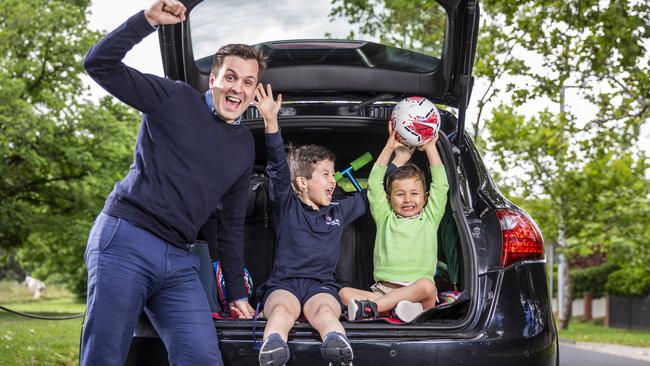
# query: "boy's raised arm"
[[439, 184], [432, 152], [277, 167]]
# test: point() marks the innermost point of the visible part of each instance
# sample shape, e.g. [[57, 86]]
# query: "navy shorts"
[[302, 288]]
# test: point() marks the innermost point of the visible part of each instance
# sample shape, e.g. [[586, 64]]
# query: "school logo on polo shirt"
[[329, 220]]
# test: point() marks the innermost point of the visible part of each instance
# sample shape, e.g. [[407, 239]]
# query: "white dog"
[[36, 286]]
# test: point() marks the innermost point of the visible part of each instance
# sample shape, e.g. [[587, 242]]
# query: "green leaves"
[[415, 25], [60, 154]]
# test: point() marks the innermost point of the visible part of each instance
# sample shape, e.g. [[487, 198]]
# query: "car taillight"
[[522, 239]]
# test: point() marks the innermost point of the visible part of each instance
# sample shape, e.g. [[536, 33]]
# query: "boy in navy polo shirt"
[[309, 227]]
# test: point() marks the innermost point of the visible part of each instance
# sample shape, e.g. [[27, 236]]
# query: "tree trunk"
[[568, 296], [588, 301]]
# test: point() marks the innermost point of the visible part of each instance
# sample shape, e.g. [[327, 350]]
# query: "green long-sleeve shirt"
[[406, 249]]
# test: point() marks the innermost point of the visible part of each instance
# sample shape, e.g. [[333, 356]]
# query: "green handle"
[[361, 161]]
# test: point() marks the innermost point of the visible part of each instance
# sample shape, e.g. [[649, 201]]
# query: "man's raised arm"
[[104, 60]]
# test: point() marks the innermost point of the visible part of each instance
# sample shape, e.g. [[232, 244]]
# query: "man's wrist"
[[237, 300], [152, 22]]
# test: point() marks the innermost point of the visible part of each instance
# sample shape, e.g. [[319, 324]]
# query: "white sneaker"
[[406, 311]]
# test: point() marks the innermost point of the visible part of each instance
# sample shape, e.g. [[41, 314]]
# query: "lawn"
[[25, 341], [594, 331]]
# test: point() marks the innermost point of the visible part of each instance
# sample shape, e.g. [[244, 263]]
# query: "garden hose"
[[41, 317]]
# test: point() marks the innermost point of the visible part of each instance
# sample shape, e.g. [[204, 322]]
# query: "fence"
[[631, 312]]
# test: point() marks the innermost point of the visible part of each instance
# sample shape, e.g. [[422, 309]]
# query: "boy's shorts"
[[383, 287], [302, 288]]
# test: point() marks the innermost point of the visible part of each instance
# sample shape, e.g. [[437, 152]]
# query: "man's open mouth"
[[233, 102]]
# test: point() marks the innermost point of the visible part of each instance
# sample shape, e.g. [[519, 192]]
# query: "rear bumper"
[[483, 351], [537, 351], [514, 327]]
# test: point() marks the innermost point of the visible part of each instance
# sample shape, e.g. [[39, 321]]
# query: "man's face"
[[233, 88], [407, 197]]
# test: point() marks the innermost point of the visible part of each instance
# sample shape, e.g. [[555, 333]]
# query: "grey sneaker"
[[362, 310], [336, 349], [406, 311], [274, 351]]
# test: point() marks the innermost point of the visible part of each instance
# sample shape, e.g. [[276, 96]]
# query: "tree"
[[582, 202], [60, 152], [601, 46]]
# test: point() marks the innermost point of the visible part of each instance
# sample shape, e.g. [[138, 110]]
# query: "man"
[[192, 159]]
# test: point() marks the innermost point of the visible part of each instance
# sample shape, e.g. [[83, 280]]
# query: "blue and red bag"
[[221, 284]]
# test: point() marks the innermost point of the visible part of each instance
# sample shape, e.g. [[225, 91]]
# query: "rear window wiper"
[[378, 98]]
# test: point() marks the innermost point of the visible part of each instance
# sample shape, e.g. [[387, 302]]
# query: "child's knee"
[[284, 312], [427, 287], [326, 311], [345, 294]]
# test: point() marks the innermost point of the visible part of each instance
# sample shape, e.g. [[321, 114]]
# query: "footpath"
[[638, 353]]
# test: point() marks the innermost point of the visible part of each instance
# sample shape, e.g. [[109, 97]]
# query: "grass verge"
[[25, 341], [594, 331]]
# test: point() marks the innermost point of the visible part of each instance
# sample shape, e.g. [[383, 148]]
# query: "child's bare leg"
[[423, 291], [322, 312], [351, 293], [282, 309]]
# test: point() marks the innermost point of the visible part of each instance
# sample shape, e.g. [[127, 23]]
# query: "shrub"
[[592, 279], [630, 281]]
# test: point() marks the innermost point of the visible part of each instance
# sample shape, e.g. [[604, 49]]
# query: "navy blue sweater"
[[308, 240], [187, 162]]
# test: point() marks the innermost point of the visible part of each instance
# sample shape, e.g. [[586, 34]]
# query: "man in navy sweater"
[[192, 160]]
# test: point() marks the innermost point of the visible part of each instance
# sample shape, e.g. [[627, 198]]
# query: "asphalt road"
[[573, 356]]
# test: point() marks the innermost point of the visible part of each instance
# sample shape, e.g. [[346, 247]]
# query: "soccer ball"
[[415, 120]]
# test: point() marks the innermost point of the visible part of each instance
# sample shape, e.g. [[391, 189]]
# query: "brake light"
[[522, 239]]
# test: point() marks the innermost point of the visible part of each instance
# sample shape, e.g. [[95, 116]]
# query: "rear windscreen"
[[281, 27]]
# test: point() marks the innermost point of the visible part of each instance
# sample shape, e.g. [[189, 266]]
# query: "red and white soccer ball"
[[416, 121]]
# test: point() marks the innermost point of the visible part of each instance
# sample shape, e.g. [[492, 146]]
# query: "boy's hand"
[[165, 12], [402, 155], [393, 144], [432, 152], [268, 107], [431, 144]]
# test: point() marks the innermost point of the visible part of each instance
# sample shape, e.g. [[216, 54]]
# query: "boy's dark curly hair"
[[303, 159], [405, 171]]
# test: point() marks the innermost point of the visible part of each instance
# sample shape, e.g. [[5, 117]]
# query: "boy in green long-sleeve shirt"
[[406, 246]]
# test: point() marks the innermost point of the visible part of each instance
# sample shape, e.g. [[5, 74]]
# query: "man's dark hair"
[[404, 172], [240, 50], [302, 160]]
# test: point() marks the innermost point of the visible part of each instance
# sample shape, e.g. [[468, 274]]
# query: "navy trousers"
[[131, 270]]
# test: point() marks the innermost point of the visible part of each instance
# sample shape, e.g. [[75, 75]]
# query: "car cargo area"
[[349, 138]]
